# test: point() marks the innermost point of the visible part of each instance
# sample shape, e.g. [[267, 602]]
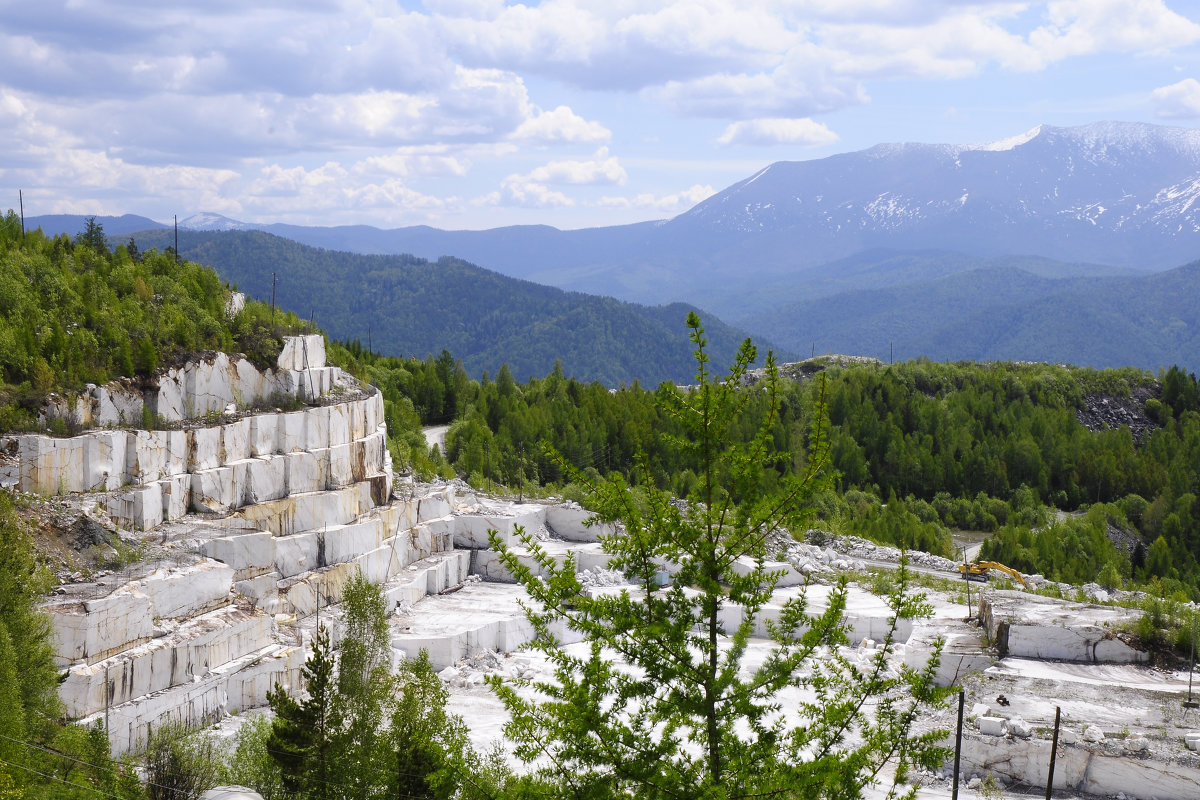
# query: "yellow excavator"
[[980, 571]]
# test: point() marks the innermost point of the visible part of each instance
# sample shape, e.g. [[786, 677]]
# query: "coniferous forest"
[[919, 448]]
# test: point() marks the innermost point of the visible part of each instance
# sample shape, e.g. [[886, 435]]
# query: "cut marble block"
[[302, 352], [339, 424], [316, 428], [187, 591], [991, 726], [435, 506], [569, 522], [139, 509], [219, 490], [340, 471], [307, 472], [347, 542], [291, 432], [204, 448], [434, 536], [176, 496], [235, 441], [154, 455], [790, 575], [266, 479], [298, 553], [262, 590], [263, 434], [192, 650], [99, 628], [250, 554]]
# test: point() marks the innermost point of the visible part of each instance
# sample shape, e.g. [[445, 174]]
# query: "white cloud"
[[561, 125], [600, 169], [675, 203], [380, 106], [776, 130], [801, 85], [526, 194], [1083, 27], [532, 189], [1177, 101]]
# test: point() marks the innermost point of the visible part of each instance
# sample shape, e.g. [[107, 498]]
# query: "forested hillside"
[[402, 305], [920, 449], [946, 308], [73, 312]]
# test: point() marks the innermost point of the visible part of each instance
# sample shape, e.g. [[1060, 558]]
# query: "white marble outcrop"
[[1047, 628], [192, 650], [212, 469], [226, 689], [101, 627], [1092, 769], [963, 651], [200, 387]]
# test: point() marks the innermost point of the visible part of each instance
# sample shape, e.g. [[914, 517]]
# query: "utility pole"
[[21, 199], [176, 238], [1190, 703], [962, 698], [1053, 752]]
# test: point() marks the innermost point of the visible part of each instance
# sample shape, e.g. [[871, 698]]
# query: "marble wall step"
[[93, 629], [427, 576], [234, 686], [181, 655]]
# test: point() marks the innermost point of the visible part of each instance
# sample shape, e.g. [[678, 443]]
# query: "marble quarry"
[[259, 520]]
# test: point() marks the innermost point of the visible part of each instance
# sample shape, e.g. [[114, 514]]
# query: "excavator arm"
[[981, 571]]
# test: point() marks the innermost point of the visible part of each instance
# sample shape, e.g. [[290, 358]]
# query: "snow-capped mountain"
[[209, 221], [1116, 193]]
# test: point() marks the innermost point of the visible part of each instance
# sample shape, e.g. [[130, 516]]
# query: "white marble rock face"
[[95, 629], [186, 592]]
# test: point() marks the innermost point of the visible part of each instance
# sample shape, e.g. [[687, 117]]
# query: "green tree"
[[302, 737], [692, 718], [23, 582], [1110, 576], [364, 688], [251, 763], [93, 236], [432, 757], [180, 764]]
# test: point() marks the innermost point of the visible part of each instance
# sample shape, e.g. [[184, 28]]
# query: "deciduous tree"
[[697, 709]]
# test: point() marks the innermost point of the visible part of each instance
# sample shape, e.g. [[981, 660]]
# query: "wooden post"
[[21, 200], [1053, 752], [962, 698], [176, 238]]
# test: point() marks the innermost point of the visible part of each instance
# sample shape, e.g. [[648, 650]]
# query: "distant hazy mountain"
[[72, 224], [1057, 204], [1006, 313], [403, 305]]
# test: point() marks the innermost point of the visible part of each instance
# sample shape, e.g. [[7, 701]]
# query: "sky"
[[471, 114]]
